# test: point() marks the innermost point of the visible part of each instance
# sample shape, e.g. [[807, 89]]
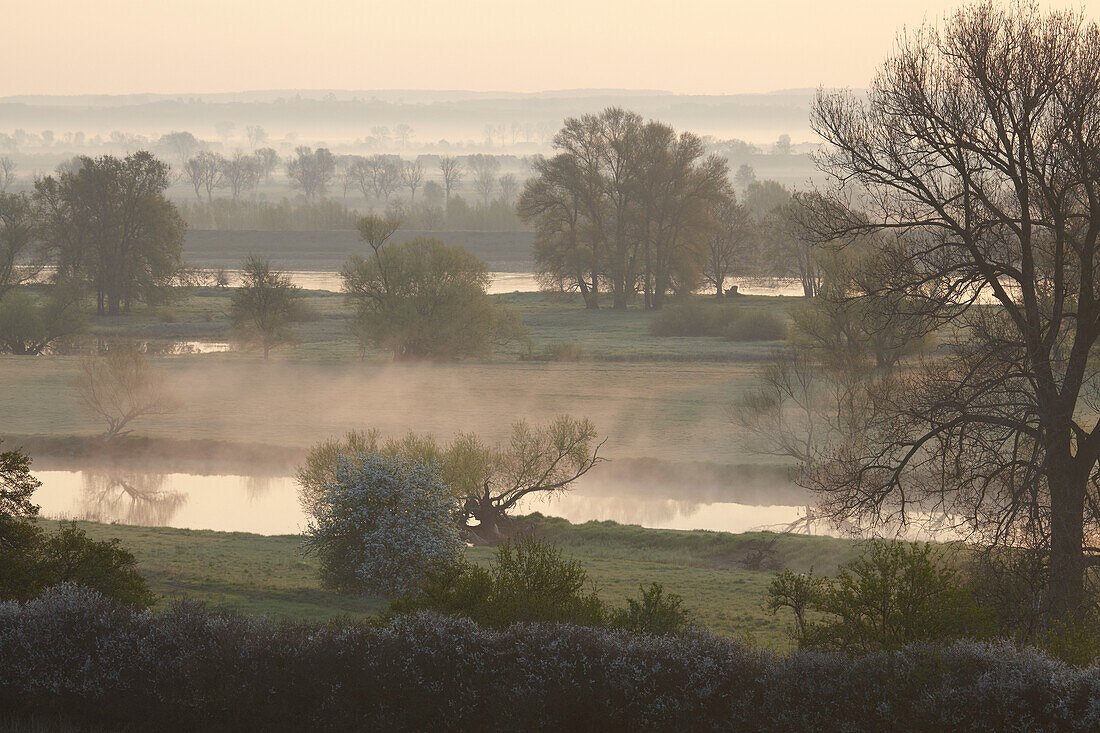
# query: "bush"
[[758, 326], [528, 580], [655, 613], [32, 560], [564, 351], [423, 299], [380, 524], [197, 669], [726, 321], [692, 319], [895, 594]]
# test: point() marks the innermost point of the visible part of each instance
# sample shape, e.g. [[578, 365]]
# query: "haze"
[[695, 46]]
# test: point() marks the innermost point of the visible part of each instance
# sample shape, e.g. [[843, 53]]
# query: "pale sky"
[[689, 46]]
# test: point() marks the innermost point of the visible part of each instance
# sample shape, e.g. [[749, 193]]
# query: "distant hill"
[[333, 116]]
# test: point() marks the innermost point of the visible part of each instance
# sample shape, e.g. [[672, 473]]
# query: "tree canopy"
[[422, 299], [106, 220]]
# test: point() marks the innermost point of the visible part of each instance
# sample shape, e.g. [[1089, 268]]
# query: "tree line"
[[628, 207]]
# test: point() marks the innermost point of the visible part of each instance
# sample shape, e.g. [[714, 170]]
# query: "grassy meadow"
[[654, 397], [268, 574]]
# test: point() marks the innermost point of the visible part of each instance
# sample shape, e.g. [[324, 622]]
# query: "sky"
[[683, 46]]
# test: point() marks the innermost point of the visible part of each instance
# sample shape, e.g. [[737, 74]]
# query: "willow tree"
[[979, 140]]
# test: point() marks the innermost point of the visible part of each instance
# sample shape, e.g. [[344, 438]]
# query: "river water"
[[269, 505], [506, 282]]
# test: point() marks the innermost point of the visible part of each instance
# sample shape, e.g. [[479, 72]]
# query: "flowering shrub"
[[197, 669], [381, 523]]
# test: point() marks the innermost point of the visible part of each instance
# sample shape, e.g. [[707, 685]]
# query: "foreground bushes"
[[530, 580], [192, 668]]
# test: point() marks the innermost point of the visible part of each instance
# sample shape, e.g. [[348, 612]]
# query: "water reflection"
[[130, 497], [269, 505], [499, 282]]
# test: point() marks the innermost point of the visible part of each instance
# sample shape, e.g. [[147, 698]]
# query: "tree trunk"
[[1066, 589], [592, 301]]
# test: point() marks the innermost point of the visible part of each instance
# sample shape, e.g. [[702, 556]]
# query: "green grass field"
[[268, 575], [667, 399]]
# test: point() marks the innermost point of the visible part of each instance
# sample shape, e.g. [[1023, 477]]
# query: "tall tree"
[[7, 173], [257, 135], [311, 170], [729, 243], [412, 174], [204, 173], [484, 169], [453, 173], [979, 139], [239, 172], [268, 160], [566, 258], [17, 241], [110, 223]]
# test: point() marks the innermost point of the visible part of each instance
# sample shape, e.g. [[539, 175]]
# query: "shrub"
[[528, 580], [758, 326], [197, 669], [564, 351], [692, 319], [32, 560], [381, 523], [655, 613], [895, 594]]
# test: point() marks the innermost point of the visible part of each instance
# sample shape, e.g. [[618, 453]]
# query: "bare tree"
[[17, 239], [120, 387], [382, 134], [239, 172], [453, 173], [403, 132], [256, 136], [509, 187], [412, 174], [311, 170], [978, 141], [484, 169], [204, 172], [268, 160], [729, 242], [7, 172]]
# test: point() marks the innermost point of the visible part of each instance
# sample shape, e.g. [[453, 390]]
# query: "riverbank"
[[268, 575]]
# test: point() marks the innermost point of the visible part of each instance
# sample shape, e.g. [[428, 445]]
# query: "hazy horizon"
[[124, 47]]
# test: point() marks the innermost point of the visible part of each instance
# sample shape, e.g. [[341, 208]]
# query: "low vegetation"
[[529, 580], [32, 559], [192, 667]]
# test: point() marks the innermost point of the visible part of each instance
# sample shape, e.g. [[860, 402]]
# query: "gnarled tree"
[[980, 140], [488, 480]]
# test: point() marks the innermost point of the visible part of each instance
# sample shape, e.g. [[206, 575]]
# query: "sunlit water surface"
[[269, 505]]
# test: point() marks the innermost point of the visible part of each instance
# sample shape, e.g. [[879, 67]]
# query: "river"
[[269, 505]]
